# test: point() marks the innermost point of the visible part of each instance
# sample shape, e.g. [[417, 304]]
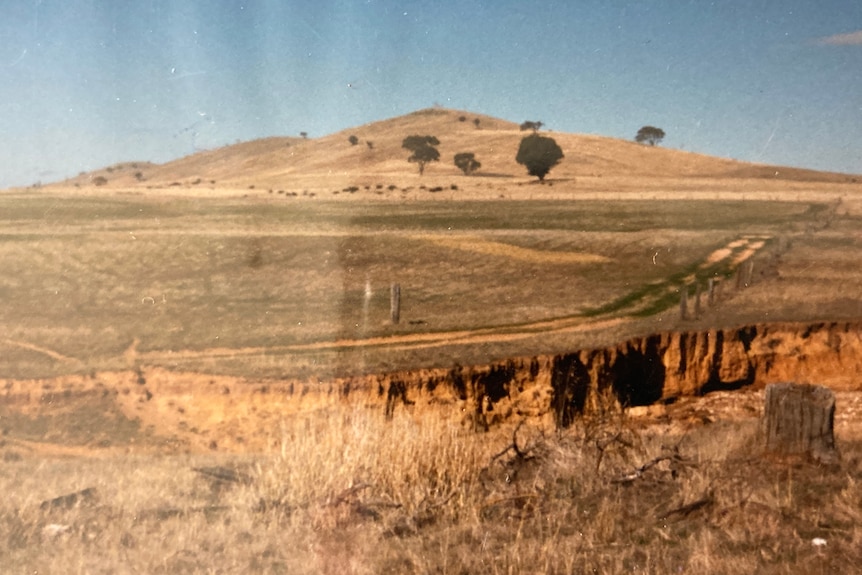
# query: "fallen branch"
[[87, 495], [688, 509], [523, 454], [224, 474], [346, 495], [639, 472]]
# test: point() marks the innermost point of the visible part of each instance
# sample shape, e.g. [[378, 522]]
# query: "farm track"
[[43, 350], [733, 254]]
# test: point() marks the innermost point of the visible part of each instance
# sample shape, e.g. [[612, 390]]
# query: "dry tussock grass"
[[351, 491], [193, 282]]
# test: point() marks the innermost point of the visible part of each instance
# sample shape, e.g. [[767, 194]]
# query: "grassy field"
[[352, 492], [171, 343], [262, 287], [122, 477]]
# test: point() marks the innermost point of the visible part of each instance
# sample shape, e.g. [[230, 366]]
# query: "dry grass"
[[330, 163], [273, 289], [256, 260], [352, 492]]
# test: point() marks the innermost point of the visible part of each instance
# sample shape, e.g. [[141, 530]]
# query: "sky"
[[88, 83]]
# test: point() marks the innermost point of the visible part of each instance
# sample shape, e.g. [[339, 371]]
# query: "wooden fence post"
[[395, 303], [683, 303], [697, 301]]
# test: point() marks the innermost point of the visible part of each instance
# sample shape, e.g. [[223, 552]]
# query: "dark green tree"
[[530, 125], [353, 140], [650, 134], [467, 162], [539, 154], [424, 150]]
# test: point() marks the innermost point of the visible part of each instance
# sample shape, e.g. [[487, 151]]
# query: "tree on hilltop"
[[353, 140], [539, 154], [530, 125], [467, 162], [649, 134], [424, 150]]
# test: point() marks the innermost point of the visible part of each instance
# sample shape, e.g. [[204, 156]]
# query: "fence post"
[[697, 301], [395, 303], [710, 298], [683, 303]]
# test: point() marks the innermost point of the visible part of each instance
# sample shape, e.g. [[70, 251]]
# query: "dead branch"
[[688, 509], [87, 495], [603, 444], [224, 474], [523, 454], [639, 472], [346, 495]]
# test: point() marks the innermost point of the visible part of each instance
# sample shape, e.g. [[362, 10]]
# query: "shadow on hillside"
[[493, 175], [549, 181]]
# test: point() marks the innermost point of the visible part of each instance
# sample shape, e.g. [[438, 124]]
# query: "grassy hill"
[[294, 163]]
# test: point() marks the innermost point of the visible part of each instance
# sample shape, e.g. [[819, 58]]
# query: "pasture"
[[268, 287], [215, 299]]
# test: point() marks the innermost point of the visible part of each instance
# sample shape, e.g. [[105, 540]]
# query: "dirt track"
[[736, 251]]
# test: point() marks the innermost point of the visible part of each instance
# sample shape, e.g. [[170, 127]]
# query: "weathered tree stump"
[[798, 421]]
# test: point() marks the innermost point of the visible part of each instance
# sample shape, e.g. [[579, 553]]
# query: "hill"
[[295, 163]]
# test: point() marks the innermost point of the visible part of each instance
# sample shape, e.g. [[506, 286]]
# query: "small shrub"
[[100, 181], [353, 140]]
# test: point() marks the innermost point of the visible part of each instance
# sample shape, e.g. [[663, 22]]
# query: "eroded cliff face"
[[642, 371], [200, 411]]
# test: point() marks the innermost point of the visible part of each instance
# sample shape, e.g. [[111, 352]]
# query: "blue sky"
[[88, 83]]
